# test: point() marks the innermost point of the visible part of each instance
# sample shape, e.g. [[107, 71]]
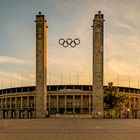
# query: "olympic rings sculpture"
[[69, 42]]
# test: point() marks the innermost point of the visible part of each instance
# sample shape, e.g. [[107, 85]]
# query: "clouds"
[[122, 42], [8, 59], [12, 72]]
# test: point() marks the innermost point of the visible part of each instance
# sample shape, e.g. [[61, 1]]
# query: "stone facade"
[[98, 65], [64, 99], [41, 66]]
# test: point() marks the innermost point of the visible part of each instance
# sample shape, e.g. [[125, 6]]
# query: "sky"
[[69, 19]]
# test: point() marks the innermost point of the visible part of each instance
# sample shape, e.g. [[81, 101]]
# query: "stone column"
[[41, 66], [21, 103], [74, 104], [9, 114], [98, 65], [34, 102], [138, 102], [15, 102], [57, 103], [129, 109], [81, 104], [28, 102], [17, 114], [49, 102], [27, 111], [1, 114], [65, 103], [138, 113], [1, 102], [21, 107], [89, 103], [5, 103], [10, 102], [134, 102]]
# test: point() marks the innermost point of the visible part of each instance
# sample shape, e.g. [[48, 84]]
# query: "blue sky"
[[69, 18]]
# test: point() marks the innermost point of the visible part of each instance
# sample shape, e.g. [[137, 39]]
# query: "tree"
[[113, 99]]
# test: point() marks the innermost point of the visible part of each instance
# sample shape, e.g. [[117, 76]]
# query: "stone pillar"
[[28, 102], [73, 103], [33, 115], [98, 65], [49, 102], [1, 116], [10, 102], [137, 102], [65, 103], [17, 114], [21, 107], [129, 109], [1, 103], [34, 102], [25, 114], [9, 114], [138, 105], [134, 107], [10, 107], [5, 103], [81, 104], [89, 104], [134, 102], [57, 109], [21, 103], [15, 102], [41, 66]]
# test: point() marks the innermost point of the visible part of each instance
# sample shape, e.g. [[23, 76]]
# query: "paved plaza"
[[69, 129]]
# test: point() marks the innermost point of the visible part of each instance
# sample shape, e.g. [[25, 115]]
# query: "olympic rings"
[[69, 42]]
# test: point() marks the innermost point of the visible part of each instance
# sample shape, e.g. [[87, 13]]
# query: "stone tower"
[[98, 65], [41, 66]]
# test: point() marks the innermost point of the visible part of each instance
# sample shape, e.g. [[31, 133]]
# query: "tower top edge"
[[40, 14], [99, 16]]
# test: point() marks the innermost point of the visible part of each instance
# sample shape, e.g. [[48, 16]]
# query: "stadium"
[[59, 100]]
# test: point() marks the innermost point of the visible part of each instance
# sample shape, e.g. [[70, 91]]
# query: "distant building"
[[20, 102]]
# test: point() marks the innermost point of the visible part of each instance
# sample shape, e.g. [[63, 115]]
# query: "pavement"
[[69, 129]]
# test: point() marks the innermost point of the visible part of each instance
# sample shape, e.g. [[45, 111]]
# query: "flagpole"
[[129, 80], [118, 80], [77, 78], [61, 78], [138, 83], [49, 79], [11, 82], [89, 78], [22, 80], [69, 78], [2, 83]]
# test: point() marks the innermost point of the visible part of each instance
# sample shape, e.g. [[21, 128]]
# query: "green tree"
[[113, 99]]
